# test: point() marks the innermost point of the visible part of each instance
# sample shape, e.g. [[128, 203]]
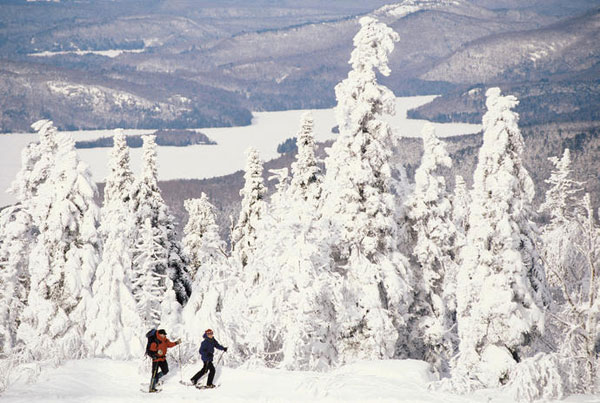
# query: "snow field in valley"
[[268, 129]]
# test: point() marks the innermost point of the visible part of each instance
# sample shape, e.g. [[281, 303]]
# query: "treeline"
[[177, 138]]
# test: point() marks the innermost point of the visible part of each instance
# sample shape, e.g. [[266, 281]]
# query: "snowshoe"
[[145, 390], [207, 386]]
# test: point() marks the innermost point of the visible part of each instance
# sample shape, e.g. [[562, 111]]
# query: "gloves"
[[225, 349], [178, 341]]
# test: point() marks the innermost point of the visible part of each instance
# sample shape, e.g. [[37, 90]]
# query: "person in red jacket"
[[158, 348]]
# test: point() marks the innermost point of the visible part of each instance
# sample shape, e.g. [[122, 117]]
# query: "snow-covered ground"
[[103, 380], [268, 129]]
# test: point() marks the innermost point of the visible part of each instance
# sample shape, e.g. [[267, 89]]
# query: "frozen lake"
[[268, 129]]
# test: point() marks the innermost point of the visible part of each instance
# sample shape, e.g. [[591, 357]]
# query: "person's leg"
[[154, 377], [164, 369], [200, 373], [211, 373]]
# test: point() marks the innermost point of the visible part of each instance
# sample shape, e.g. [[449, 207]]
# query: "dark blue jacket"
[[207, 348]]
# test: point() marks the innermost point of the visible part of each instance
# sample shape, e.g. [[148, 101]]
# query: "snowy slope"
[[268, 129], [102, 380]]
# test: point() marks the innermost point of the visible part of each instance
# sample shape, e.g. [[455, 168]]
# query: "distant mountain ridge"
[[226, 58], [566, 47]]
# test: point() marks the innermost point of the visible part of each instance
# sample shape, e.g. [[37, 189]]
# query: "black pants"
[[156, 374], [208, 366]]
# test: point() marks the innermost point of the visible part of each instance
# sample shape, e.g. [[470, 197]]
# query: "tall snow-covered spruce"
[[372, 299], [201, 240], [16, 234], [501, 285], [114, 324], [433, 237], [291, 318], [211, 274], [243, 237], [163, 251], [64, 259], [19, 229], [571, 251]]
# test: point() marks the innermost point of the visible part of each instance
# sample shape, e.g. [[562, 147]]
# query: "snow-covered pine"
[[576, 312], [148, 204], [211, 279], [170, 310], [461, 200], [461, 204], [571, 248], [501, 285], [360, 208], [114, 324], [243, 237], [64, 258], [306, 182], [561, 197], [36, 161], [433, 237], [119, 183], [149, 279], [199, 240], [15, 238], [18, 229], [538, 378], [291, 317], [558, 236]]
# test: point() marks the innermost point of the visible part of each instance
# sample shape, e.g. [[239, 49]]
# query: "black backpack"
[[151, 336]]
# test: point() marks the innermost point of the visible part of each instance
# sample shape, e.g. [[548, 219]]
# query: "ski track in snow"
[[268, 129], [104, 380]]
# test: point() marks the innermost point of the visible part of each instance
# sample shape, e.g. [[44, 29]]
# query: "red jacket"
[[161, 348]]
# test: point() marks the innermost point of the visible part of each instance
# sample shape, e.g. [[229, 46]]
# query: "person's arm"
[[172, 343], [153, 350], [218, 346]]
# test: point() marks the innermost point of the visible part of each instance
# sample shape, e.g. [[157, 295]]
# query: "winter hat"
[[208, 331], [162, 331]]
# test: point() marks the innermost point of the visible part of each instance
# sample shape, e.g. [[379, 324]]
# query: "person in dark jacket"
[[207, 351], [159, 357]]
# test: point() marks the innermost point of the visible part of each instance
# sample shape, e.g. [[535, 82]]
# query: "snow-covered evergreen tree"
[[119, 183], [289, 309], [461, 204], [37, 159], [501, 285], [243, 237], [305, 184], [560, 206], [201, 242], [433, 236], [461, 200], [15, 237], [149, 278], [576, 313], [204, 309], [148, 204], [359, 205], [18, 231], [114, 325], [64, 259]]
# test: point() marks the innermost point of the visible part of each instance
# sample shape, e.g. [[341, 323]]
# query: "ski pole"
[[220, 357], [153, 376], [180, 369]]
